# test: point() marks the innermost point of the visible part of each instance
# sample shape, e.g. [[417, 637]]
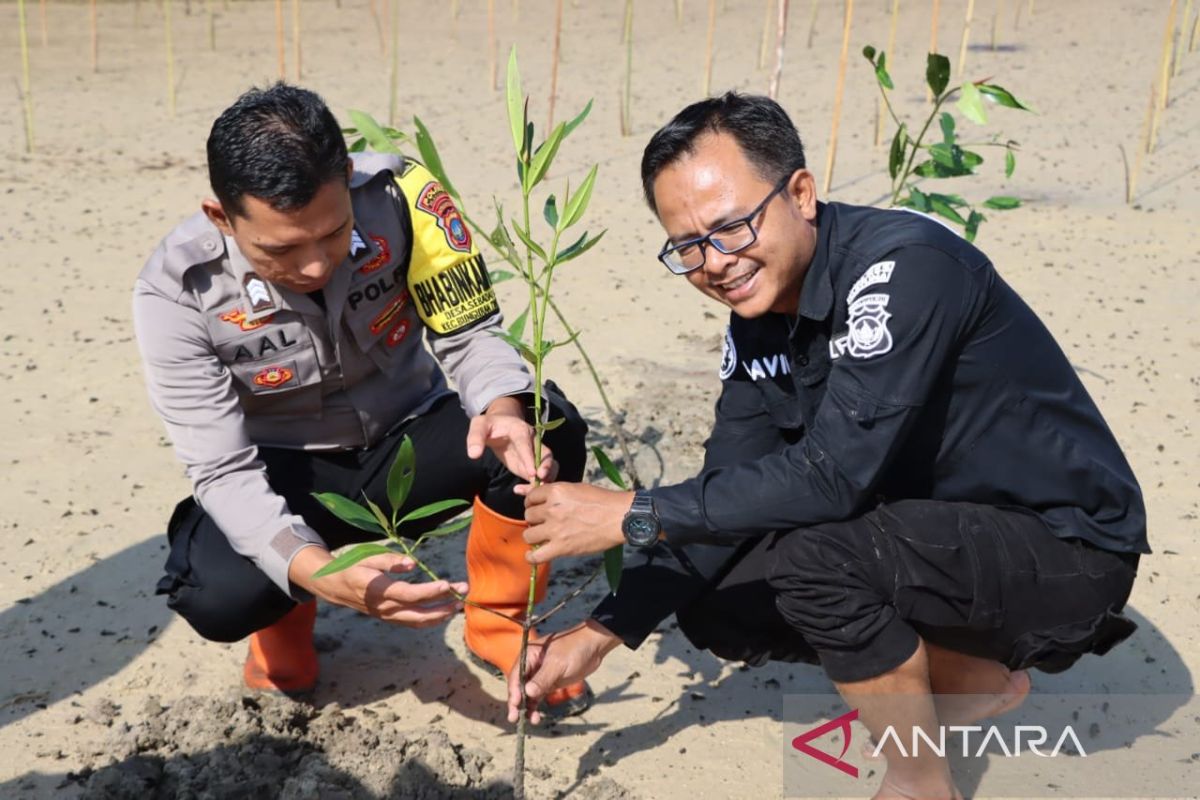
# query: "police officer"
[[281, 330], [906, 481]]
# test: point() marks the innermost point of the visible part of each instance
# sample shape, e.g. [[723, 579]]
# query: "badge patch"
[[880, 272], [397, 334], [728, 355], [389, 313], [869, 335], [358, 245], [274, 376], [435, 200], [385, 255], [238, 317], [259, 294]]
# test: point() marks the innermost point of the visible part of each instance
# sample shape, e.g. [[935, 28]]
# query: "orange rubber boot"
[[282, 658], [498, 576]]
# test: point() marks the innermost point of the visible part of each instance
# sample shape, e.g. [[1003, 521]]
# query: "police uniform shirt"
[[233, 362], [911, 370]]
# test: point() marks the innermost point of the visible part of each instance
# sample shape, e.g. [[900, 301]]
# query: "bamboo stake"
[[1143, 145], [42, 14], [137, 14], [766, 33], [780, 35], [1195, 24], [26, 91], [279, 48], [966, 37], [891, 52], [558, 14], [296, 39], [491, 11], [378, 28], [627, 108], [837, 98], [933, 32], [1164, 83], [679, 12], [996, 21], [394, 80], [516, 9], [170, 58], [812, 23], [1179, 48], [212, 25], [708, 48], [95, 37]]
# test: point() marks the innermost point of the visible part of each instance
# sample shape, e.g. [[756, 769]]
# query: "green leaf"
[[950, 199], [514, 97], [945, 209], [953, 160], [1002, 96], [544, 157], [349, 511], [899, 146], [517, 329], [609, 468], [517, 345], [881, 73], [578, 202], [937, 73], [971, 104], [500, 276], [431, 159], [551, 425], [972, 227], [550, 212], [431, 509], [1010, 163], [1002, 202], [449, 528], [614, 558], [384, 522], [530, 243], [869, 54], [358, 146], [351, 557], [580, 117], [920, 201], [947, 123], [400, 476], [580, 247], [373, 133]]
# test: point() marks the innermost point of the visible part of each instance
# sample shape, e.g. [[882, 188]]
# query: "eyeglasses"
[[729, 238]]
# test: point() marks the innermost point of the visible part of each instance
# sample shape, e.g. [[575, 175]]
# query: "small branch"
[[540, 618]]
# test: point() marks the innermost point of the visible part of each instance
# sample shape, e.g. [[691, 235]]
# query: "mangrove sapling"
[[26, 90], [950, 157]]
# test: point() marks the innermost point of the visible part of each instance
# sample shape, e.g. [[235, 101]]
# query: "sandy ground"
[[90, 659]]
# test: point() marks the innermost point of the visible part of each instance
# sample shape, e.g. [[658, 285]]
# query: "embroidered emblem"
[[435, 200], [273, 376], [259, 294], [397, 334], [388, 315], [385, 255], [875, 274], [869, 335], [728, 355], [358, 245], [238, 317]]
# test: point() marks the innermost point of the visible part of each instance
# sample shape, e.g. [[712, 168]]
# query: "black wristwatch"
[[641, 526]]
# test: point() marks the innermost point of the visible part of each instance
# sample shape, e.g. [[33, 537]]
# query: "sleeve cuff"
[[680, 512], [276, 557]]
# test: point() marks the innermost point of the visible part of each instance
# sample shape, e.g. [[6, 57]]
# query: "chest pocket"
[[273, 363], [379, 314]]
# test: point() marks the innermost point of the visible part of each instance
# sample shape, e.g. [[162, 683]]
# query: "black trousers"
[[224, 597], [854, 596]]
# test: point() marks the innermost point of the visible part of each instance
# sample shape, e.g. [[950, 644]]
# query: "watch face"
[[640, 529]]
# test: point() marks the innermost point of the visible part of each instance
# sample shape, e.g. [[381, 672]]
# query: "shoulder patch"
[[728, 355], [879, 272], [868, 334], [436, 201]]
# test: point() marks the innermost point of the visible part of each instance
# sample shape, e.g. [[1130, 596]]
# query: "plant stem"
[[212, 25], [966, 37], [491, 16], [837, 97], [626, 118], [95, 37], [296, 38], [933, 33], [558, 12], [279, 48], [170, 58], [42, 14], [540, 618], [916, 146], [708, 48], [766, 34], [26, 92], [395, 70]]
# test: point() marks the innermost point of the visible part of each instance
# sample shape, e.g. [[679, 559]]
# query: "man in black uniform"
[[906, 481]]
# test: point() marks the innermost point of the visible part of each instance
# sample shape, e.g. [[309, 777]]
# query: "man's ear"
[[803, 191], [216, 214]]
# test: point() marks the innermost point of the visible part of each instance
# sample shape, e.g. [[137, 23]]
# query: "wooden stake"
[[880, 116], [766, 33], [1179, 48], [279, 48], [1164, 83], [837, 98], [996, 22], [296, 39], [395, 76], [627, 108], [708, 48], [780, 35], [1143, 145], [378, 27], [26, 91], [42, 14], [212, 25], [812, 23], [1192, 41], [170, 58], [966, 37], [491, 8], [679, 12], [933, 32], [95, 37], [558, 14]]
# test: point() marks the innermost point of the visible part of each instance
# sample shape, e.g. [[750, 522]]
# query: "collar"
[[816, 293], [260, 297]]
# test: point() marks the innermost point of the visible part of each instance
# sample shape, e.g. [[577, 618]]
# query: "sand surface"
[[94, 671]]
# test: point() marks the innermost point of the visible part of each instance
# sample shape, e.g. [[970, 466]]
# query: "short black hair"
[[760, 126], [280, 144]]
